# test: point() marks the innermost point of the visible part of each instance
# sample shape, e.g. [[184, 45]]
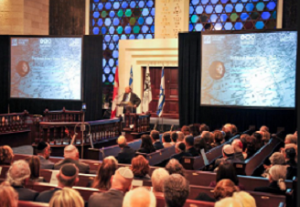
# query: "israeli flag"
[[161, 101], [131, 78]]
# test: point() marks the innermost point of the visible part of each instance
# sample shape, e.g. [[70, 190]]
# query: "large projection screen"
[[249, 69], [46, 68]]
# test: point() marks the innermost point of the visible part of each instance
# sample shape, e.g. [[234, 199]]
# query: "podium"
[[127, 107]]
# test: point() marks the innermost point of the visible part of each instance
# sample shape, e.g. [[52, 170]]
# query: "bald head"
[[71, 152], [139, 197], [122, 142], [127, 89]]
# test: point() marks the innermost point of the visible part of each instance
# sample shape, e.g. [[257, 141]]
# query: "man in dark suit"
[[17, 174], [43, 151], [189, 144], [126, 153], [132, 98], [155, 139], [120, 184], [67, 177], [180, 152], [71, 155]]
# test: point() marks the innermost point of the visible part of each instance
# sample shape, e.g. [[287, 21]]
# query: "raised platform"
[[164, 124]]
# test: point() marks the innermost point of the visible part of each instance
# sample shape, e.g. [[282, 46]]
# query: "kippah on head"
[[41, 146], [125, 172], [69, 170], [228, 149], [181, 146]]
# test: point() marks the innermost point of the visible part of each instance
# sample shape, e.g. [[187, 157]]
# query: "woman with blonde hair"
[[8, 196], [67, 197]]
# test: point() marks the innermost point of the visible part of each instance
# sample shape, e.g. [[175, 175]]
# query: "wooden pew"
[[159, 156], [31, 204]]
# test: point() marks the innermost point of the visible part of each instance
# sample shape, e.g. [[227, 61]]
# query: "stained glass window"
[[120, 19], [232, 14]]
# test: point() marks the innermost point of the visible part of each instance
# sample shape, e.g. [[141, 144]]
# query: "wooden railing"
[[63, 116], [13, 122], [137, 122]]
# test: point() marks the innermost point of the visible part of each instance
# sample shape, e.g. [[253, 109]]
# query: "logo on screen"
[[45, 42], [207, 39], [247, 39], [14, 42]]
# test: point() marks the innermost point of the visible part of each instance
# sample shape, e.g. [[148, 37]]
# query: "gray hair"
[[137, 198], [174, 167], [176, 190], [18, 172], [70, 151], [158, 177], [229, 201], [291, 138], [277, 158], [278, 173]]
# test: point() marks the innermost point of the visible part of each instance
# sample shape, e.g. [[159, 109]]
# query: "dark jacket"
[[82, 167], [193, 151], [180, 156], [46, 164], [46, 196], [146, 151], [111, 198], [272, 188], [158, 145], [134, 99], [239, 156], [25, 194], [125, 155]]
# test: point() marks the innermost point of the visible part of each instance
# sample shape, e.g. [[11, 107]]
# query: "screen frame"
[[221, 32], [47, 36]]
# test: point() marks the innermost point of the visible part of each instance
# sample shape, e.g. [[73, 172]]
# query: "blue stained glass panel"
[[141, 4], [124, 4], [132, 4], [238, 25], [96, 30], [107, 70], [100, 6], [271, 6], [112, 13], [108, 6], [244, 16], [116, 5]]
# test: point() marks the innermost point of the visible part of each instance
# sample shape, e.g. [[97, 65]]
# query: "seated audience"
[[6, 155], [180, 136], [258, 138], [202, 128], [229, 202], [185, 130], [265, 137], [251, 146], [146, 146], [245, 198], [194, 130], [228, 132], [276, 158], [227, 171], [166, 139], [66, 197], [139, 197], [34, 165], [176, 190], [120, 184], [238, 150], [17, 175], [180, 152], [228, 155], [234, 130], [290, 138], [224, 188], [290, 158], [155, 139], [126, 153], [8, 196], [158, 178], [264, 128], [67, 177], [189, 145], [43, 152], [174, 137], [218, 138], [277, 176], [140, 167], [71, 155], [204, 142], [174, 167], [106, 170]]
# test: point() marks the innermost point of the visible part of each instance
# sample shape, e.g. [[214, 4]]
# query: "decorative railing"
[[63, 116], [13, 122], [137, 122]]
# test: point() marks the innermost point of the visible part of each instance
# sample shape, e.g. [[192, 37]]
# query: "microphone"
[[73, 138]]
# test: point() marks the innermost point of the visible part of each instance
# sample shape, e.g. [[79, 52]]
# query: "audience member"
[[290, 155], [34, 165], [251, 146], [234, 130], [218, 138], [258, 138], [43, 152], [228, 132], [180, 152], [238, 149], [8, 196], [174, 167], [264, 128], [203, 127], [166, 139], [174, 137], [277, 176], [140, 167], [106, 170], [17, 175], [245, 198], [290, 138], [139, 197], [185, 130], [180, 136], [265, 137], [120, 184], [176, 190], [194, 130], [146, 146], [126, 153], [189, 145], [228, 155], [6, 155], [67, 177], [66, 197], [276, 158], [71, 155], [155, 139], [158, 178], [204, 142], [228, 202]]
